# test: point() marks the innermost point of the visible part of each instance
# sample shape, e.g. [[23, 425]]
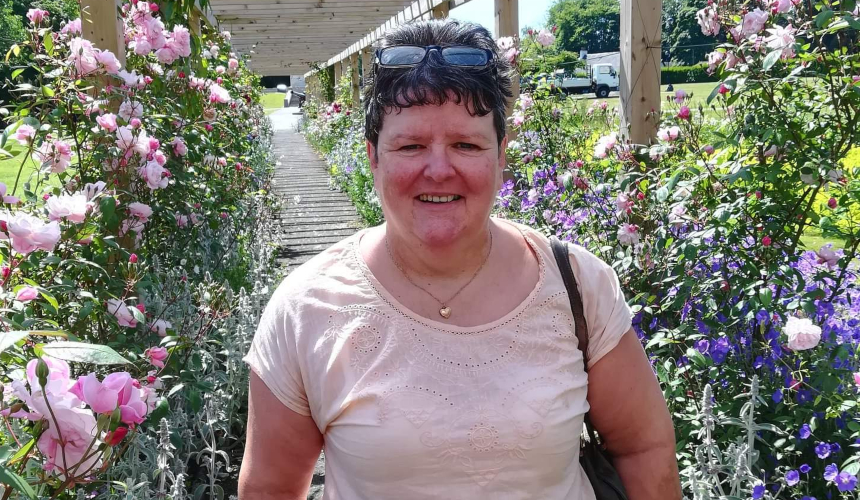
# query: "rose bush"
[[753, 336], [135, 260]]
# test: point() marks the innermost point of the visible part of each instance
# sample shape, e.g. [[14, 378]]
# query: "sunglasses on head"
[[404, 56]]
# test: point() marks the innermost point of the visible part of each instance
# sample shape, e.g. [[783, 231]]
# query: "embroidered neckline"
[[385, 296]]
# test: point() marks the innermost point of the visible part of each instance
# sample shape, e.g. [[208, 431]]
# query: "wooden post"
[[441, 11], [640, 70], [338, 72], [102, 26], [194, 22], [508, 24], [353, 76], [366, 63]]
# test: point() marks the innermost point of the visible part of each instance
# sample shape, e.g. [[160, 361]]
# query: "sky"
[[532, 13]]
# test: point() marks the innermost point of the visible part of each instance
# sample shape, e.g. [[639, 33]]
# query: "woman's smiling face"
[[437, 170]]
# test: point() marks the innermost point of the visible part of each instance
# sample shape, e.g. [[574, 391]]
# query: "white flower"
[[676, 216], [826, 255], [160, 326], [545, 38], [130, 109], [628, 234], [801, 333]]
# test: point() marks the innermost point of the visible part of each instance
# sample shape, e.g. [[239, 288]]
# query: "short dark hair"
[[483, 90]]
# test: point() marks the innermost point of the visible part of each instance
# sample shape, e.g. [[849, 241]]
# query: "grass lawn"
[[698, 91], [9, 167], [272, 102]]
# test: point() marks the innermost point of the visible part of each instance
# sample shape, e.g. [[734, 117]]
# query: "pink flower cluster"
[[73, 404], [87, 59], [146, 33], [509, 49]]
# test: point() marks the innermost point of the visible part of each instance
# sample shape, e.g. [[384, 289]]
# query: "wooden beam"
[[366, 63], [441, 11], [102, 26], [640, 69]]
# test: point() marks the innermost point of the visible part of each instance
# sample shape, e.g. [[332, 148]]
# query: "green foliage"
[[686, 74], [593, 25]]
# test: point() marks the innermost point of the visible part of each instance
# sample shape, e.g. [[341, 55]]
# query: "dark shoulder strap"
[[562, 257]]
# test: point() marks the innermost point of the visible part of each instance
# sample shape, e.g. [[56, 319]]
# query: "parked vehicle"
[[599, 79]]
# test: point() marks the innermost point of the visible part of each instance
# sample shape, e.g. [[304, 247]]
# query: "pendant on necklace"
[[445, 312]]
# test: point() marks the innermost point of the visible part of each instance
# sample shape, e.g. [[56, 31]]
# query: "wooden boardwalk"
[[315, 216]]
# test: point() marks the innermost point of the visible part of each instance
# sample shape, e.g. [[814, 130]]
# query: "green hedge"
[[687, 74]]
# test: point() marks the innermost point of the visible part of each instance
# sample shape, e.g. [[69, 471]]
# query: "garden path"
[[315, 216]]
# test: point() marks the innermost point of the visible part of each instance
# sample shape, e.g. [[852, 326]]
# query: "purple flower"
[[777, 396], [792, 477], [846, 481], [822, 450], [703, 346], [830, 472], [805, 431], [805, 468], [550, 188], [758, 491]]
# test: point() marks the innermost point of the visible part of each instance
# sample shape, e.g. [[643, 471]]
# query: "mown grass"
[[9, 166], [272, 101]]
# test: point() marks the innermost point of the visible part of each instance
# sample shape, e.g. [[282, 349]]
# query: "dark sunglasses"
[[404, 56]]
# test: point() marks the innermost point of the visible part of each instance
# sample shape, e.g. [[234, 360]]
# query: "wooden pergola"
[[288, 36]]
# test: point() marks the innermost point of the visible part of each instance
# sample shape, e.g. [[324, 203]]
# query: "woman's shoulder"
[[325, 276], [581, 258]]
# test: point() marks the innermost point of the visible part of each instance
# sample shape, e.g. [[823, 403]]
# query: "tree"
[[683, 40], [593, 25]]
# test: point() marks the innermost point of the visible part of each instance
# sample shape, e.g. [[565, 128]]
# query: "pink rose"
[[107, 122], [140, 210], [801, 333], [156, 356], [121, 312], [160, 326], [70, 207], [82, 55], [545, 38], [24, 134], [36, 16], [27, 294], [107, 59], [29, 233]]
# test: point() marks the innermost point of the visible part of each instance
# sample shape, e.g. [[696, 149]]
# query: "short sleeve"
[[606, 309], [273, 355]]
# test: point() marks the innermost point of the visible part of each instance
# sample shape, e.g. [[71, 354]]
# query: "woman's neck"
[[420, 260]]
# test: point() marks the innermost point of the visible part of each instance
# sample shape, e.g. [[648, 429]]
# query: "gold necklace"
[[445, 310]]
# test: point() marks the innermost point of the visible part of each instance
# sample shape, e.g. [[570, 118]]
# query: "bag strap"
[[562, 258]]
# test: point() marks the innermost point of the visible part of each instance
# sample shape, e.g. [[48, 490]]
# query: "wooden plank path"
[[315, 216]]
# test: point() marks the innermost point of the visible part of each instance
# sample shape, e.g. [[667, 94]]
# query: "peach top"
[[414, 408]]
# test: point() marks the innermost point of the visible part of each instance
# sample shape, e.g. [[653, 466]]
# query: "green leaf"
[[84, 353], [8, 339], [16, 482], [17, 73], [48, 42], [50, 298], [771, 59], [823, 17], [22, 452], [138, 316], [48, 91], [765, 295]]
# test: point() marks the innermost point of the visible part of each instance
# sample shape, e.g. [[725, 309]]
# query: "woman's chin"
[[438, 234]]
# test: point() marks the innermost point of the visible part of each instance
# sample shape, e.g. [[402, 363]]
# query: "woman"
[[434, 356]]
